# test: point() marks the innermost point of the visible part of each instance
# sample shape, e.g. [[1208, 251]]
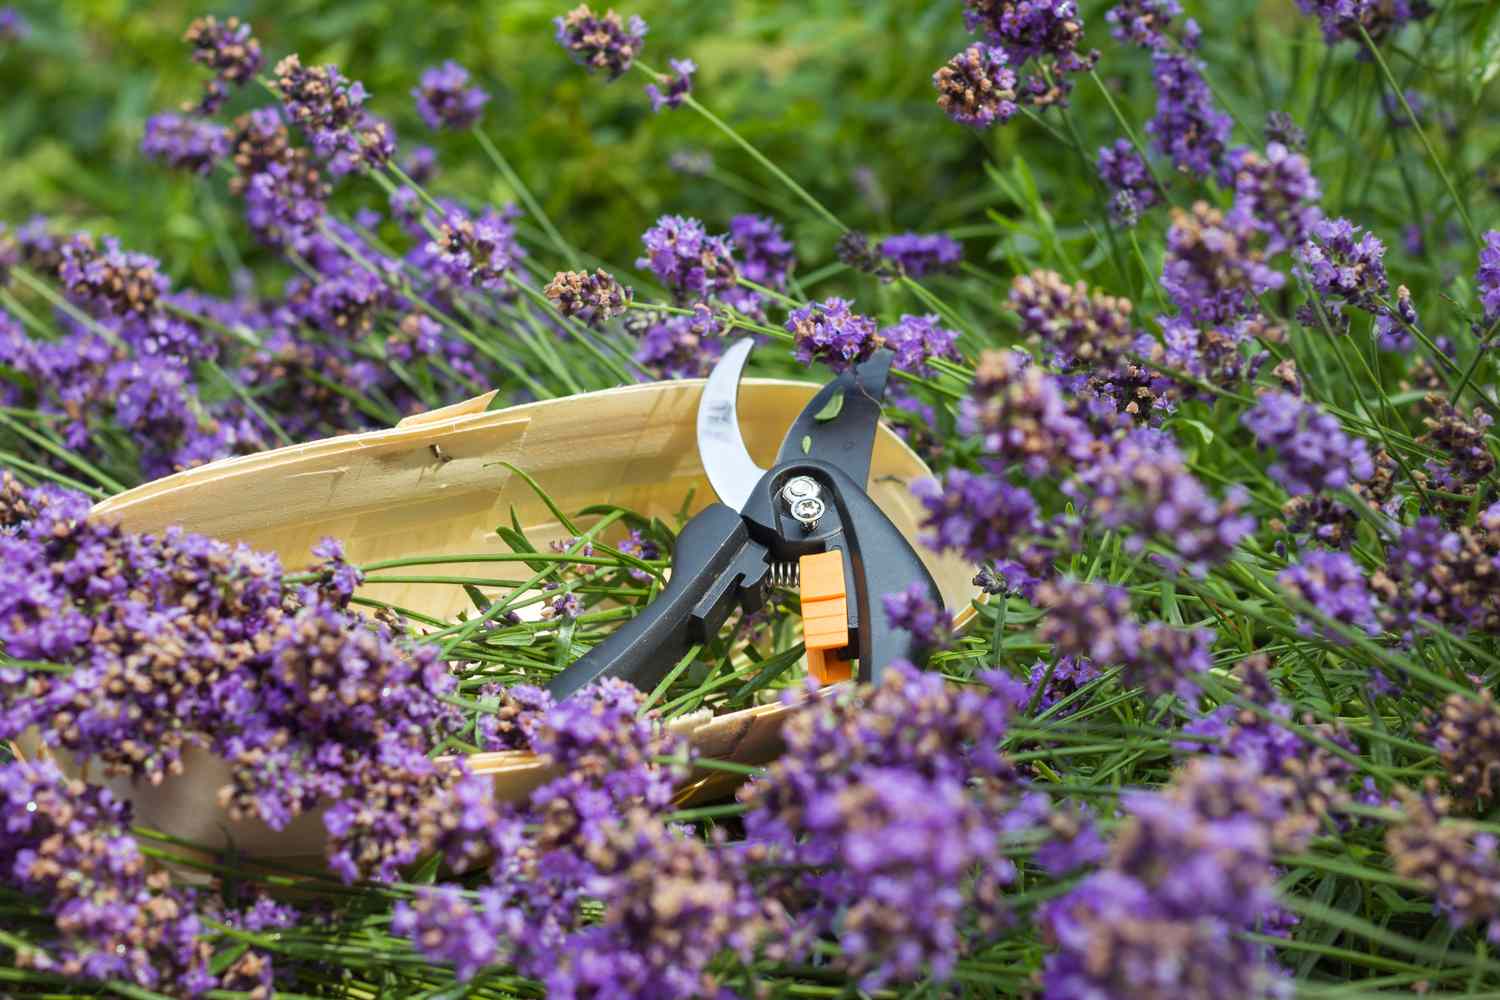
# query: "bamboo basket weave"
[[435, 485]]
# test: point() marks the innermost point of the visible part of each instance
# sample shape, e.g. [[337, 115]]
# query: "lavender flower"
[[1049, 31], [913, 610], [1343, 19], [1448, 576], [1189, 128], [478, 253], [1487, 278], [1313, 452], [330, 111], [601, 42], [1212, 271], [1143, 483], [1466, 735], [446, 101], [1088, 620], [678, 346], [917, 341], [919, 254], [768, 256], [1142, 22], [189, 144], [679, 86], [690, 263], [1334, 585], [1283, 128], [592, 299], [420, 164], [829, 331], [977, 87], [446, 928], [1125, 173], [1019, 412], [1050, 684], [1277, 194], [227, 48], [982, 517], [1343, 268], [1453, 861], [1079, 329], [1464, 462]]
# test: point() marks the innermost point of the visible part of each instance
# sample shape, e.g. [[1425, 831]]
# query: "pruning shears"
[[805, 523]]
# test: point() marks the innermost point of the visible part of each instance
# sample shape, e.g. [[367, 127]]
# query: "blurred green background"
[[837, 93]]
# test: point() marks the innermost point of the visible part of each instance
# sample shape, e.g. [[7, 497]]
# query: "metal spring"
[[786, 575]]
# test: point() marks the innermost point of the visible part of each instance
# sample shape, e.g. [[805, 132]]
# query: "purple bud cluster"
[[768, 256], [1347, 19], [673, 345], [13, 27], [1079, 329], [1336, 587], [1455, 862], [1213, 269], [1022, 417], [1466, 734], [888, 813], [603, 42], [478, 252], [913, 610], [1313, 453], [190, 144], [446, 101], [1487, 278], [1432, 573], [1344, 268], [679, 85], [917, 341], [592, 299], [1186, 877], [980, 516], [230, 50], [1143, 23], [831, 332], [330, 111], [691, 264], [1276, 193], [920, 254], [1124, 171], [1048, 31], [1189, 128], [1143, 483]]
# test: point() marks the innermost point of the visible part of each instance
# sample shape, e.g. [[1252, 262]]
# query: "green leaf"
[[831, 409], [481, 603], [806, 443]]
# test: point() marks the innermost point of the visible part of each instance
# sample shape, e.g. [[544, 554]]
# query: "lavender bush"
[[1191, 311]]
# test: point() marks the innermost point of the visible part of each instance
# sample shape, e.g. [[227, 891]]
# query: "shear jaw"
[[731, 471]]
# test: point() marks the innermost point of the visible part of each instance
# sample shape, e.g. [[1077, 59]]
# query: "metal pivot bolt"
[[801, 495]]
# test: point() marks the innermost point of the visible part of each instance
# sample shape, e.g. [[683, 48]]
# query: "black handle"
[[713, 564]]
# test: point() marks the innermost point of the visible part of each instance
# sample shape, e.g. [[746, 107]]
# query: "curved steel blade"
[[838, 425], [731, 470]]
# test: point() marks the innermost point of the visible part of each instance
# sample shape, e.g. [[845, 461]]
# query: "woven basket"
[[433, 485]]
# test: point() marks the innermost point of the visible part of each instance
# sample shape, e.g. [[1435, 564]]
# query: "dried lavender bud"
[[1314, 454], [1213, 270], [854, 251], [592, 299], [913, 610], [446, 101], [919, 254], [1448, 576], [1453, 861], [227, 48], [478, 253], [1281, 127], [189, 144], [1142, 22], [1048, 31], [691, 264], [1466, 734], [829, 331], [679, 86], [601, 42], [1461, 441], [977, 87]]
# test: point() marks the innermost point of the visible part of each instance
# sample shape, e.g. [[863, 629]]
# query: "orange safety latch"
[[825, 616]]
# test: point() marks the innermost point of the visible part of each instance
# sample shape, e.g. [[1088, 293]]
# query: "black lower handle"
[[713, 555]]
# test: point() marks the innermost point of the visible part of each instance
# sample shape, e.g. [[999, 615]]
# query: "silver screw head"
[[807, 511], [800, 488]]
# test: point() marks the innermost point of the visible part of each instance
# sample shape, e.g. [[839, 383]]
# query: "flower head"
[[230, 50], [679, 85], [190, 144], [1213, 269], [831, 332], [1487, 278], [690, 263], [977, 87], [1313, 452], [604, 42], [592, 299], [919, 254], [767, 256], [446, 101], [1189, 127]]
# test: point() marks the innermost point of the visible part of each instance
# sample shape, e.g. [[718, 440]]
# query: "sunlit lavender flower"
[[479, 253], [1336, 587], [230, 50], [1189, 126], [1277, 194], [601, 41], [590, 298], [318, 99], [1125, 173], [1021, 416], [982, 517], [913, 610], [1343, 268], [690, 263], [919, 254], [1313, 452], [1343, 19], [1487, 278], [1213, 270], [679, 86], [1142, 22], [977, 87], [676, 346], [446, 101], [1049, 31], [917, 341], [829, 331], [190, 144]]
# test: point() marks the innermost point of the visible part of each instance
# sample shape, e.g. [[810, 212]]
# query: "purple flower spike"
[[446, 101], [977, 87], [1487, 279], [1333, 583], [920, 254], [190, 144], [230, 50], [690, 263], [768, 256], [1189, 128], [679, 86], [1313, 452], [601, 41], [830, 332]]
